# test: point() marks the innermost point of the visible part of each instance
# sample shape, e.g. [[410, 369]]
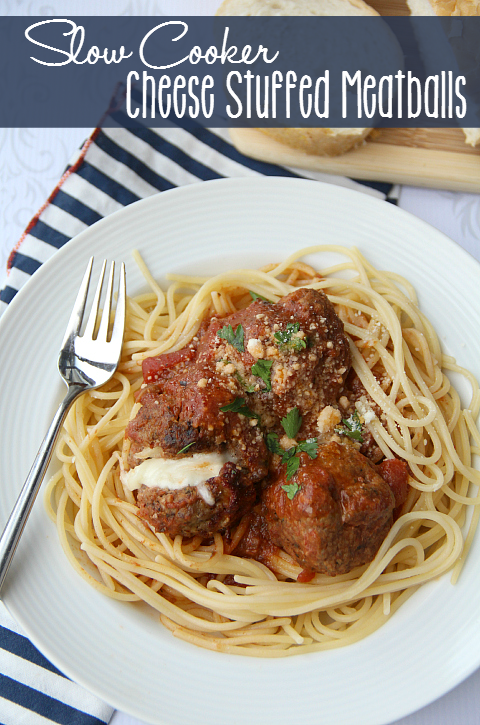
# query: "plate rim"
[[36, 281]]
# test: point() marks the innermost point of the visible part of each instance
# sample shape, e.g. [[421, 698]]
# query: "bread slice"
[[317, 141], [444, 7], [420, 7], [295, 7], [450, 7], [472, 136]]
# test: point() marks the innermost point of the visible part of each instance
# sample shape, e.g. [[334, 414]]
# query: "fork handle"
[[21, 511]]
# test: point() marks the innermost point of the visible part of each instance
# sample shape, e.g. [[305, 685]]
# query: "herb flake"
[[256, 297], [236, 339], [292, 467], [185, 448], [273, 444], [263, 369], [288, 454], [352, 428], [287, 339], [291, 455], [238, 406], [291, 489], [310, 447], [292, 422]]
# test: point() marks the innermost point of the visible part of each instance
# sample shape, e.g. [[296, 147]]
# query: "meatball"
[[339, 514], [185, 511], [244, 372], [295, 354], [182, 415], [178, 419], [185, 412], [395, 473]]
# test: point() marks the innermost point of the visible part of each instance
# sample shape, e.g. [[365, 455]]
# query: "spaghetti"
[[232, 604]]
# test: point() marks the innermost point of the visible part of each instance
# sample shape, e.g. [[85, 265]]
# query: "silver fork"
[[85, 362]]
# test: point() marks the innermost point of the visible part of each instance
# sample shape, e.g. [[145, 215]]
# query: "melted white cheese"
[[171, 474]]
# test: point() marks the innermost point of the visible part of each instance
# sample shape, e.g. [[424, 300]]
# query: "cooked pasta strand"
[[206, 594]]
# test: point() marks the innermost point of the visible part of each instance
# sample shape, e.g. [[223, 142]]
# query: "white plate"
[[118, 651]]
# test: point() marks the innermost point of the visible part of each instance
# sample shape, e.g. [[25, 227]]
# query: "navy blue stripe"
[[210, 139], [106, 184], [76, 208], [44, 705], [164, 147], [206, 136], [125, 157], [7, 294], [19, 645], [26, 264], [47, 234]]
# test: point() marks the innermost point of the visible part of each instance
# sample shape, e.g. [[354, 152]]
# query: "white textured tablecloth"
[[32, 161]]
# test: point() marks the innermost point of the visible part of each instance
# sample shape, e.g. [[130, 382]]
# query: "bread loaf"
[[444, 7], [295, 7], [450, 7], [317, 141]]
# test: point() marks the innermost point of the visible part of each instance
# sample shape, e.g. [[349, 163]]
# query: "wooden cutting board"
[[437, 157]]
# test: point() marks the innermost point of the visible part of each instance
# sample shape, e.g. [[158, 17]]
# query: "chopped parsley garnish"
[[185, 448], [291, 488], [256, 297], [273, 445], [292, 422], [238, 406], [233, 338], [290, 456], [310, 447], [292, 467], [287, 339], [352, 428], [263, 369]]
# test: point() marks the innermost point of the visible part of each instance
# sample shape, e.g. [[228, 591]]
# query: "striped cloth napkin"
[[115, 167]]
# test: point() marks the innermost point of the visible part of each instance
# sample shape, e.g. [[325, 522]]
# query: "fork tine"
[[92, 318], [119, 324], [76, 317], [105, 321]]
